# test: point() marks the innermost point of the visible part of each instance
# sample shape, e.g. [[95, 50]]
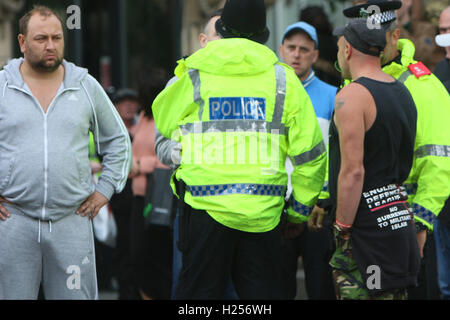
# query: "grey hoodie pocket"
[[69, 180], [84, 172], [6, 168]]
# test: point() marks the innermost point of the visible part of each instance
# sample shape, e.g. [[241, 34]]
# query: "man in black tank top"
[[371, 152]]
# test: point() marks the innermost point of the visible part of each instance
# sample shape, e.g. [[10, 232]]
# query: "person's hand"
[[96, 167], [176, 154], [4, 214], [421, 240], [316, 218], [293, 230], [135, 168], [92, 205]]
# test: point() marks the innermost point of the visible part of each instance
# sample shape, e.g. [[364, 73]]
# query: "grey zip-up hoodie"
[[44, 157]]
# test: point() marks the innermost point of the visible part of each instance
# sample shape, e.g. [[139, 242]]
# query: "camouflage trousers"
[[348, 281]]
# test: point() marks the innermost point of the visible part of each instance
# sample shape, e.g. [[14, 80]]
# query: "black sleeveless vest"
[[383, 233]]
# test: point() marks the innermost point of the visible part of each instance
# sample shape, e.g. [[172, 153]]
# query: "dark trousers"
[[316, 249], [213, 252], [121, 205], [151, 254], [428, 288]]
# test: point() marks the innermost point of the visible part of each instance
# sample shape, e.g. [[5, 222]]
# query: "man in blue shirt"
[[299, 49]]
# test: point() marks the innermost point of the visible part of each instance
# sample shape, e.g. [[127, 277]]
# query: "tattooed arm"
[[354, 107]]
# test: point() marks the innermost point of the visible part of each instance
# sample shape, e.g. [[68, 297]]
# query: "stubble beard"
[[45, 66]]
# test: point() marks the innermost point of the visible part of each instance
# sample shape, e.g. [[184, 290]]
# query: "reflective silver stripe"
[[423, 213], [196, 83], [433, 150], [244, 188], [404, 76], [280, 74], [310, 155], [234, 126], [239, 125]]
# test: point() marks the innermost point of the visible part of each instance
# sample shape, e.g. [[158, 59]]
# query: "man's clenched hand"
[[316, 218]]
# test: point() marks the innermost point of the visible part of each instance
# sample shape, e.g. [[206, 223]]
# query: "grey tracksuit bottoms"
[[59, 254]]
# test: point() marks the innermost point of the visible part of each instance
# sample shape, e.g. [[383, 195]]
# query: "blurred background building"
[[119, 38]]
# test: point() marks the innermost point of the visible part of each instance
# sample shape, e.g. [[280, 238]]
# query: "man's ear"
[[21, 39], [348, 50], [396, 34], [316, 55], [203, 39], [281, 51]]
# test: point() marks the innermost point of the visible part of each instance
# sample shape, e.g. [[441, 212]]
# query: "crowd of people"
[[335, 150]]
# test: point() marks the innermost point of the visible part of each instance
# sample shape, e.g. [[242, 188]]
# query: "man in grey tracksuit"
[[48, 106]]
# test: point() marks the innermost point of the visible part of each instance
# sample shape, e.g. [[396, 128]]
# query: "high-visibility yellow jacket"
[[238, 114], [428, 184], [93, 156]]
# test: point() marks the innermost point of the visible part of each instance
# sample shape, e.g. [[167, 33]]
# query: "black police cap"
[[244, 19]]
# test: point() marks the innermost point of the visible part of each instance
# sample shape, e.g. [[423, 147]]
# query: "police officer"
[[238, 114]]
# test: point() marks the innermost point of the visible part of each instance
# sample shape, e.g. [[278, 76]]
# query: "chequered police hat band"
[[383, 17]]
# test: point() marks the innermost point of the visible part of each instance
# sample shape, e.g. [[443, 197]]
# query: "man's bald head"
[[444, 21]]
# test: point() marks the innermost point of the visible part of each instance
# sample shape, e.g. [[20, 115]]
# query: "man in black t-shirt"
[[371, 152]]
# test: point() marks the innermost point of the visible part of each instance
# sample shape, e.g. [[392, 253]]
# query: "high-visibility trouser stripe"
[[433, 150], [234, 126], [306, 157], [196, 83], [243, 188], [300, 208], [423, 213]]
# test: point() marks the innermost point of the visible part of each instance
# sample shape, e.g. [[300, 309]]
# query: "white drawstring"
[[39, 231]]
